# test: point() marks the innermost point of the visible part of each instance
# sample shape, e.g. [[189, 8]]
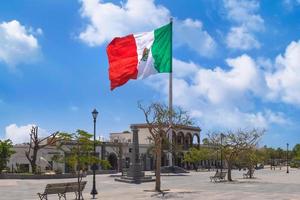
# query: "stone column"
[[135, 168]]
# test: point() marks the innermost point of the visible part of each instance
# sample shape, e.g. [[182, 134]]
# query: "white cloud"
[[18, 43], [190, 32], [134, 16], [184, 69], [247, 23], [277, 118], [130, 17], [220, 98], [20, 134], [284, 82], [244, 13], [235, 119], [241, 38], [290, 4], [265, 63], [219, 86]]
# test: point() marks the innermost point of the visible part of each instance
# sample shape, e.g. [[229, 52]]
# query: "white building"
[[184, 137], [116, 151], [19, 162]]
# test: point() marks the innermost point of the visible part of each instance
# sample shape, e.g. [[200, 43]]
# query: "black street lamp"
[[222, 135], [287, 158], [94, 190]]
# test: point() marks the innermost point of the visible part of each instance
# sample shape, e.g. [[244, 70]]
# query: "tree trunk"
[[78, 181], [120, 166], [33, 167], [158, 166], [229, 172], [195, 167], [79, 172], [33, 160], [250, 172], [78, 185]]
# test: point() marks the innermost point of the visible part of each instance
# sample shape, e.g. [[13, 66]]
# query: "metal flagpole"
[[171, 100]]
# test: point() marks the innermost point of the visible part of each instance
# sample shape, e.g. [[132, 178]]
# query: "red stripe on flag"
[[123, 60]]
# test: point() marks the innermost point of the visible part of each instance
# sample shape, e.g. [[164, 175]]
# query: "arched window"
[[188, 140], [180, 138]]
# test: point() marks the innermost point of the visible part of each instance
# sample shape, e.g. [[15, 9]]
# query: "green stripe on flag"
[[162, 49]]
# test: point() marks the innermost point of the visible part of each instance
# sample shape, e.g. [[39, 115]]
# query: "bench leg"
[[62, 196], [43, 196], [78, 195]]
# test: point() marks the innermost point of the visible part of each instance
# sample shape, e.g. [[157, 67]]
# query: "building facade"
[[117, 151], [183, 138]]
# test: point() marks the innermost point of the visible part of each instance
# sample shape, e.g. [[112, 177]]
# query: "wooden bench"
[[214, 176], [73, 187], [219, 176], [61, 189]]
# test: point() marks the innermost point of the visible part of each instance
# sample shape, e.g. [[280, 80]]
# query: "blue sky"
[[236, 65]]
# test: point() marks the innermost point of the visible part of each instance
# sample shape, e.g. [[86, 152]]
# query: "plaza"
[[267, 184], [150, 99]]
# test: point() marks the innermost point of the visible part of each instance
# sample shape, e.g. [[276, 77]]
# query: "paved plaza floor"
[[196, 185]]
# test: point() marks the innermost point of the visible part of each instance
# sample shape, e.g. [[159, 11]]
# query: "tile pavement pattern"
[[196, 185]]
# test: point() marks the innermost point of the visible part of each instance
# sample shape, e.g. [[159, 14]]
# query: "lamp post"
[[287, 158], [222, 135], [94, 190]]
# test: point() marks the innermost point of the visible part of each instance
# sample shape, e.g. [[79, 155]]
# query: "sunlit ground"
[[267, 184]]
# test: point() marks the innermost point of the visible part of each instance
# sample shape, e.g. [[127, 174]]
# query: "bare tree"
[[235, 143], [36, 144], [157, 119]]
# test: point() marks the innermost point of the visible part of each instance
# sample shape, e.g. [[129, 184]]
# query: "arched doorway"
[[188, 141], [113, 161]]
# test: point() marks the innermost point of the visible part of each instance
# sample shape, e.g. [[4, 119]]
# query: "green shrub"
[[295, 164]]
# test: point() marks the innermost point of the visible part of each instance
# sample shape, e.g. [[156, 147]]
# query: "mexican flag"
[[138, 56]]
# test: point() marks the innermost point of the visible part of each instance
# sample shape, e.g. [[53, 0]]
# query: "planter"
[[37, 176]]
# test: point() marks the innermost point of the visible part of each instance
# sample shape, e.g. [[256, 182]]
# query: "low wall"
[[51, 176], [37, 176], [103, 172]]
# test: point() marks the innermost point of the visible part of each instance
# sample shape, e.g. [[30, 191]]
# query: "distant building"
[[117, 151], [19, 162], [184, 137]]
